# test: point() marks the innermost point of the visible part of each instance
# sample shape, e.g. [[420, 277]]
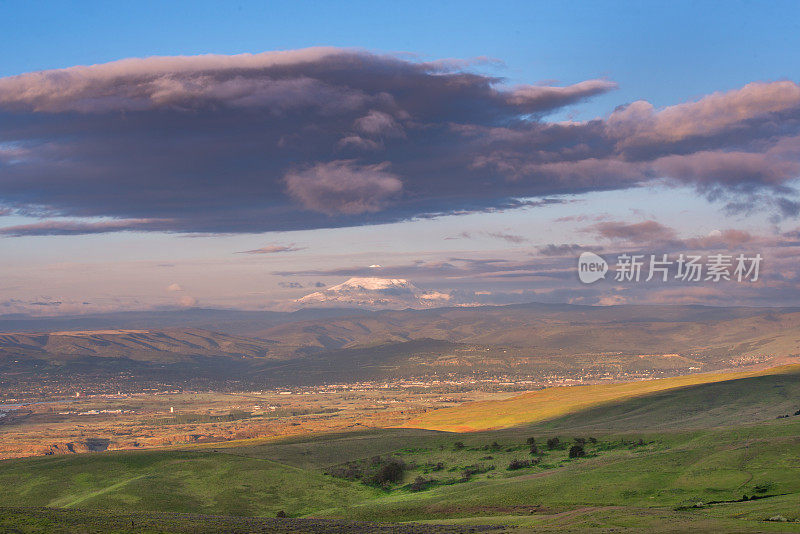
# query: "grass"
[[673, 460], [558, 402], [666, 477], [322, 450], [49, 521], [175, 481]]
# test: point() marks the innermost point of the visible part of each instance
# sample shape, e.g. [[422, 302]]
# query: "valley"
[[498, 419], [496, 347]]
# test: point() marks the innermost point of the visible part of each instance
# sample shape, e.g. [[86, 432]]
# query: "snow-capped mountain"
[[376, 293]]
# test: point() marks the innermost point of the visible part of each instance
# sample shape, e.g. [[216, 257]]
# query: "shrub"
[[475, 469], [530, 441], [388, 471], [576, 451], [419, 484], [553, 443], [349, 471], [534, 449], [458, 445], [518, 464], [763, 488]]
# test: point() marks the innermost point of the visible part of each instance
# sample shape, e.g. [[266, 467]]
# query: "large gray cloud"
[[330, 137]]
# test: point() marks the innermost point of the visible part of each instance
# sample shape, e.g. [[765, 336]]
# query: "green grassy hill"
[[671, 474], [710, 457], [176, 481]]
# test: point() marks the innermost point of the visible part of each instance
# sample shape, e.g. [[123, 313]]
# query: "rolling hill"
[[734, 470], [683, 401]]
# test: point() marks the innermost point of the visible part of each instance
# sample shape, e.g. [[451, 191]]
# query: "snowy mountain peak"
[[372, 283], [376, 293]]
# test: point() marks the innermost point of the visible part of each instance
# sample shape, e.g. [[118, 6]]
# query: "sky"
[[242, 155]]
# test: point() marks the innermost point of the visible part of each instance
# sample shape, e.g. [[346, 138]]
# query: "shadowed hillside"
[[680, 402]]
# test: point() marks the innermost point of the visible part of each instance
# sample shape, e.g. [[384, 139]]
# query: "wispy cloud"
[[505, 236], [273, 249], [64, 228]]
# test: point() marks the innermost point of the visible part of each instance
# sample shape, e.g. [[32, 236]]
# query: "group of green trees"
[[577, 450], [385, 471], [377, 471]]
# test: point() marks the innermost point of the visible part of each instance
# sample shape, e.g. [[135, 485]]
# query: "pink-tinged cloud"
[[640, 122], [343, 187], [662, 238], [377, 123], [138, 84], [728, 168], [723, 239], [640, 232], [538, 97]]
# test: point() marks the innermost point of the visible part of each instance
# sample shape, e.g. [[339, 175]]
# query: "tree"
[[530, 441], [390, 470], [553, 443], [577, 451]]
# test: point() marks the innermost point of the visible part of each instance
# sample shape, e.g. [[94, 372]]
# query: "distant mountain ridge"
[[141, 345], [214, 319], [344, 345]]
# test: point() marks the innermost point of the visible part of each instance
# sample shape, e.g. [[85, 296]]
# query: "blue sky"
[[666, 52], [663, 52]]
